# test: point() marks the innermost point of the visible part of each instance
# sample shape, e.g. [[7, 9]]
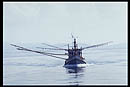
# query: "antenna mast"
[[74, 43]]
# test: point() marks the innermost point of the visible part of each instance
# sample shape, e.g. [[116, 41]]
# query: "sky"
[[55, 22]]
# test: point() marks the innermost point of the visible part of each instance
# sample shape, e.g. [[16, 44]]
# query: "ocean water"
[[106, 65]]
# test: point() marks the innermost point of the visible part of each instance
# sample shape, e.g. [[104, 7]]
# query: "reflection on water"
[[75, 70], [75, 75]]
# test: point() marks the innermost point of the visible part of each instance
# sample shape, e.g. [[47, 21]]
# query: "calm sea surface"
[[105, 66]]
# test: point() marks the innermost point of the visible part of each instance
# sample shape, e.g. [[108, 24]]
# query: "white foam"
[[75, 65]]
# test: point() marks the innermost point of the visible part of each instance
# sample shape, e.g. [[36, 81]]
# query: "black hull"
[[74, 61]]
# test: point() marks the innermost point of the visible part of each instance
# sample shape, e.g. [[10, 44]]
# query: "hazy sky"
[[54, 22]]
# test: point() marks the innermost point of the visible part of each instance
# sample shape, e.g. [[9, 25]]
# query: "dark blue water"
[[105, 66]]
